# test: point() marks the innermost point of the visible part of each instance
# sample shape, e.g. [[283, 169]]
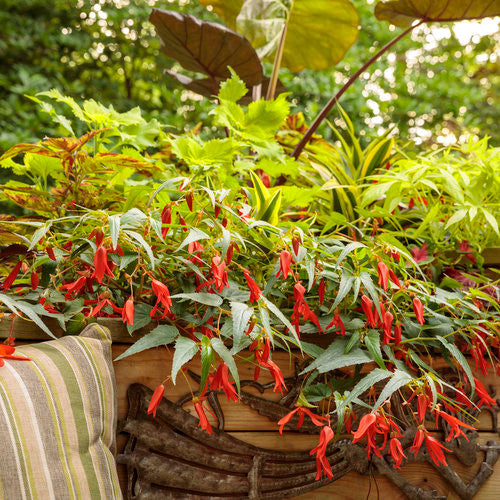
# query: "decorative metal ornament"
[[171, 457]]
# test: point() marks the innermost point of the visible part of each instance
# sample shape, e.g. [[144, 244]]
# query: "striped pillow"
[[58, 420]]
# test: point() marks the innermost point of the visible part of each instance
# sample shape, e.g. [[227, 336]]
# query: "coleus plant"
[[223, 284]]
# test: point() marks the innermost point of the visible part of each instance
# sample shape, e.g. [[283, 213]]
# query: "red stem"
[[324, 112]]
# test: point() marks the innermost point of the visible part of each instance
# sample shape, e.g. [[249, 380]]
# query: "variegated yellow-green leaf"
[[403, 12], [319, 31], [225, 9]]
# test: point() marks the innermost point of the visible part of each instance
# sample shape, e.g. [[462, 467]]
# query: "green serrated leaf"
[[462, 361], [241, 314], [142, 317], [161, 335], [334, 358], [209, 299], [195, 234], [345, 286], [114, 229], [364, 384], [346, 251], [399, 379], [372, 343], [185, 349]]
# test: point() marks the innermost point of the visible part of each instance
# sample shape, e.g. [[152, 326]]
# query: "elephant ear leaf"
[[319, 32], [404, 12], [206, 47]]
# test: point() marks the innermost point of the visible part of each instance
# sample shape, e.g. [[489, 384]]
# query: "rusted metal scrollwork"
[[171, 457]]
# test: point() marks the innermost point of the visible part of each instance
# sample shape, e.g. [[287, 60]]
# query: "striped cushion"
[[58, 420]]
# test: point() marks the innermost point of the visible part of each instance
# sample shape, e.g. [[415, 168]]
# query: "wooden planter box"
[[151, 367]]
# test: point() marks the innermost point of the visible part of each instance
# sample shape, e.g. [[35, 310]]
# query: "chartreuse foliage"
[[447, 197], [221, 243]]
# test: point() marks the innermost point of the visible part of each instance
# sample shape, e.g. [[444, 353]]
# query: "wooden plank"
[[151, 367], [27, 330]]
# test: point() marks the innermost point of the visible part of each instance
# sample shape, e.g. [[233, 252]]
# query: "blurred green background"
[[434, 88]]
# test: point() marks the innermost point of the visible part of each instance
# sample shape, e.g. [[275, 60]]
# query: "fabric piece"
[[58, 420]]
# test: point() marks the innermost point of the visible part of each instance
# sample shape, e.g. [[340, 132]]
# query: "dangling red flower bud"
[[419, 310], [50, 253], [321, 291], [230, 250], [11, 277], [255, 292], [34, 280], [285, 260], [349, 418], [422, 405], [296, 241], [216, 210], [397, 334], [383, 275], [301, 412], [367, 306], [182, 222], [189, 200], [74, 287], [484, 397], [166, 219], [100, 263], [455, 425], [156, 400], [128, 311], [98, 234], [279, 381], [394, 278], [417, 441], [300, 308], [387, 325]]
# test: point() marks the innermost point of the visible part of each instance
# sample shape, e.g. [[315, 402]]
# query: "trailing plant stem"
[[324, 112]]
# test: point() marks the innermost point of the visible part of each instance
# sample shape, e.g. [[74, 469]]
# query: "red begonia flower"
[[286, 260], [419, 310], [128, 312], [383, 275], [322, 464], [396, 451], [156, 400], [255, 292], [11, 276]]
